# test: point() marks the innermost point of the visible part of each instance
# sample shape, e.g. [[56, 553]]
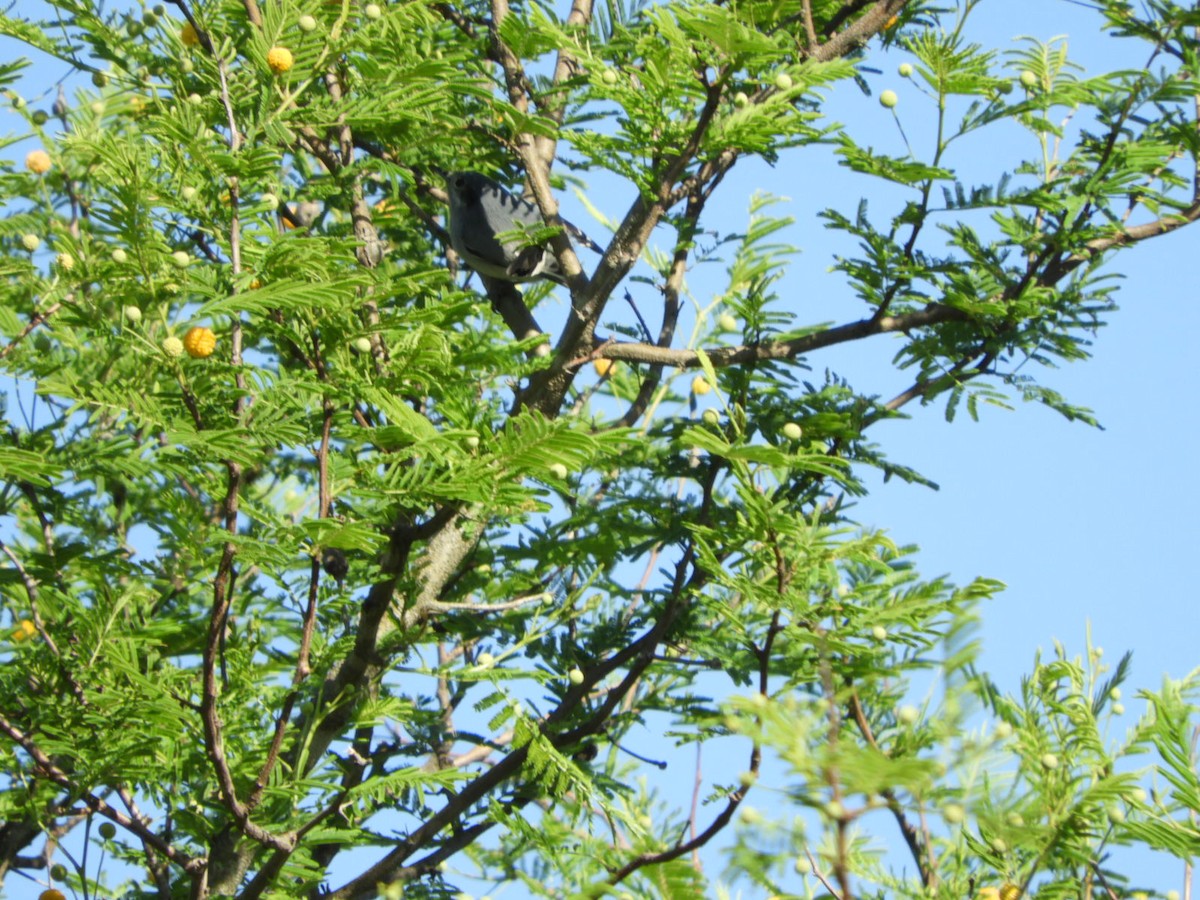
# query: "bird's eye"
[[460, 182]]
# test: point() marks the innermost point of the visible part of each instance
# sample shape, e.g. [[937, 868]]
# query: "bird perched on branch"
[[487, 224]]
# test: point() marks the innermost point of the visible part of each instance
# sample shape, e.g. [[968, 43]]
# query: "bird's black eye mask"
[[460, 185]]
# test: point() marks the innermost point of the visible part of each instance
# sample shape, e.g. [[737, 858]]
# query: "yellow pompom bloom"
[[602, 366], [188, 35], [279, 59], [199, 342], [51, 894], [1005, 892], [38, 162], [24, 631], [700, 385]]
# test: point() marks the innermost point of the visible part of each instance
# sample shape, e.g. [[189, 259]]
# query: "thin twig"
[[515, 603], [735, 798], [35, 320], [816, 870]]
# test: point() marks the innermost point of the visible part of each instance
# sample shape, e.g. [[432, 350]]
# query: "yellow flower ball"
[[199, 342], [700, 386], [51, 894], [602, 366], [38, 162], [279, 59], [24, 631], [1005, 892], [188, 35]]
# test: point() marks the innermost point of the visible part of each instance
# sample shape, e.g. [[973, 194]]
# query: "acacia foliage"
[[398, 567]]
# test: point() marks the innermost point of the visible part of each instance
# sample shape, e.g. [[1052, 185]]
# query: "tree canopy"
[[332, 568]]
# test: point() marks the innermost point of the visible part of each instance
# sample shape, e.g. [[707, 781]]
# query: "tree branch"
[[933, 314], [671, 308], [860, 31], [47, 767], [637, 656], [735, 798], [924, 863]]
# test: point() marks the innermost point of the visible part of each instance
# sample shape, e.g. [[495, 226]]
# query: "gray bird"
[[486, 222]]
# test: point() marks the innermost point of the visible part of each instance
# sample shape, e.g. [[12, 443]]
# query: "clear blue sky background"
[[1085, 526]]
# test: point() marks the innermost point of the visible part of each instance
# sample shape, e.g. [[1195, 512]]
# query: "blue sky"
[[1085, 526], [1082, 524]]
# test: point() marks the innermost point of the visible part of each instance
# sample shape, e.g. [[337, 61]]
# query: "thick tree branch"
[[448, 545], [860, 31], [810, 30], [588, 299], [1125, 237], [637, 656]]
